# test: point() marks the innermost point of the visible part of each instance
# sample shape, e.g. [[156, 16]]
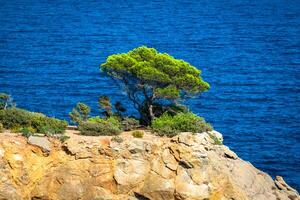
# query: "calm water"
[[249, 51]]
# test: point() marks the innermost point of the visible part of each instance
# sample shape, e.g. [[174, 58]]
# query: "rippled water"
[[249, 51]]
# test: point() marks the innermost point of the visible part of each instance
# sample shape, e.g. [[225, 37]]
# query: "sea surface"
[[249, 52]]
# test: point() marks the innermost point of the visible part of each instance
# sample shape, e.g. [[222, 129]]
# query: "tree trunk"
[[151, 114], [146, 114]]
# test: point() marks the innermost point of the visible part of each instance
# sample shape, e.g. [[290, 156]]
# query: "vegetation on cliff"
[[20, 120], [181, 122], [6, 101], [155, 82]]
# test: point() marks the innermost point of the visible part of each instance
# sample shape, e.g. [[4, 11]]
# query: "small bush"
[[115, 122], [16, 119], [117, 139], [16, 128], [1, 128], [138, 134], [215, 139], [6, 101], [182, 122], [26, 132], [52, 126], [165, 130], [97, 126], [96, 119], [64, 138], [11, 118], [129, 124], [80, 113]]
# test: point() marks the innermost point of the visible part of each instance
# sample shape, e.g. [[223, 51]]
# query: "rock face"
[[186, 167]]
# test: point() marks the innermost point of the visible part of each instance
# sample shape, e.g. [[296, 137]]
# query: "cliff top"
[[187, 166]]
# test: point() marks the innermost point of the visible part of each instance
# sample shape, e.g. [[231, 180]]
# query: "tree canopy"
[[152, 79]]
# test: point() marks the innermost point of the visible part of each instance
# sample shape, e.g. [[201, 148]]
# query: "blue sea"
[[249, 52]]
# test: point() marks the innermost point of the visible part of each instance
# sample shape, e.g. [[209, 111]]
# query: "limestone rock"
[[130, 173], [186, 188], [283, 186], [217, 135], [186, 167], [186, 138], [41, 142], [157, 187], [228, 153], [169, 160]]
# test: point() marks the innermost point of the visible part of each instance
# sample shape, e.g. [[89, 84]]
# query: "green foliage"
[[183, 122], [80, 113], [26, 132], [3, 99], [138, 134], [17, 119], [104, 104], [149, 77], [64, 138], [113, 120], [164, 125], [47, 125], [169, 92], [31, 129], [215, 139], [97, 126], [129, 124], [170, 109], [1, 128], [16, 128], [6, 101], [117, 139], [96, 119], [107, 108]]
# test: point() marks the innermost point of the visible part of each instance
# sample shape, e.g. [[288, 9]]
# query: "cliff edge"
[[185, 167]]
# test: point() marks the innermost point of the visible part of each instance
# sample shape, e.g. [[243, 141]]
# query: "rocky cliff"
[[88, 168]]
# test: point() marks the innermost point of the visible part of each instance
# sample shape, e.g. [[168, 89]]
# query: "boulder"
[[41, 142]]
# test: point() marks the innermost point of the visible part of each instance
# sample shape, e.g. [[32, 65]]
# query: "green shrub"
[[96, 119], [64, 138], [16, 128], [11, 118], [167, 130], [129, 124], [215, 139], [117, 139], [26, 132], [97, 126], [138, 134], [113, 120], [182, 122], [51, 126], [6, 101], [80, 113], [16, 119], [164, 125], [31, 129], [1, 128]]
